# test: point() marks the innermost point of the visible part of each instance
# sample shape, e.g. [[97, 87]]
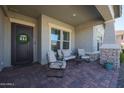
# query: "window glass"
[[55, 45], [66, 38], [55, 34], [59, 39], [65, 35], [65, 45], [55, 39]]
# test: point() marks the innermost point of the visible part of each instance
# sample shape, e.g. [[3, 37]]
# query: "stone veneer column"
[[110, 51]]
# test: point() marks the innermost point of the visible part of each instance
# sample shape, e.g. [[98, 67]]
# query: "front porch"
[[58, 27], [83, 75]]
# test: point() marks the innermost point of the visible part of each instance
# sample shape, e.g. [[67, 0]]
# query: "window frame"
[[62, 29], [67, 41], [55, 40]]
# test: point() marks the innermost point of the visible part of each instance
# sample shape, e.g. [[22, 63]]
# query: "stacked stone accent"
[[110, 55]]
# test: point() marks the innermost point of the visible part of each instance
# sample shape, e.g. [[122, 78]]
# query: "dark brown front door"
[[21, 44]]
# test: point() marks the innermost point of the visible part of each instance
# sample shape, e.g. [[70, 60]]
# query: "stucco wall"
[[109, 36], [1, 37], [7, 42], [84, 35], [45, 35], [84, 38], [39, 38]]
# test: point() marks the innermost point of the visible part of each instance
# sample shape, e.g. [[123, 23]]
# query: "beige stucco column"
[[110, 51]]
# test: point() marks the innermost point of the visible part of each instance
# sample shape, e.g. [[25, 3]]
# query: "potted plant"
[[108, 65], [122, 57]]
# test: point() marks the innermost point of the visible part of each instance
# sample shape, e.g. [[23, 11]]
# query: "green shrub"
[[122, 57]]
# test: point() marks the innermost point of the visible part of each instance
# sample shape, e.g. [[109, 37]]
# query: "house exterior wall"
[[46, 35], [85, 36], [7, 43], [1, 37], [110, 38], [82, 36], [39, 36]]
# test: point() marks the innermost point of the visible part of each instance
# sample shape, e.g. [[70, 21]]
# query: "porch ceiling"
[[71, 14]]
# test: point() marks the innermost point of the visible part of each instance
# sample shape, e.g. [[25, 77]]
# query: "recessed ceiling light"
[[74, 14]]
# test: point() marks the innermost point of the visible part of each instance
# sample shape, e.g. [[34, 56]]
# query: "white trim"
[[22, 22], [49, 38], [61, 39], [66, 40], [61, 28], [108, 21], [110, 46]]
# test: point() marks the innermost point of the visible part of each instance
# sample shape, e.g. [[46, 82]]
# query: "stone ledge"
[[110, 46]]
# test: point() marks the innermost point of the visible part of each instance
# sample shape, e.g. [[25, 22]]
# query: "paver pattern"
[[82, 75], [121, 77]]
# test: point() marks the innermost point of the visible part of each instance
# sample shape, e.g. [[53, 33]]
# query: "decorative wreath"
[[22, 39]]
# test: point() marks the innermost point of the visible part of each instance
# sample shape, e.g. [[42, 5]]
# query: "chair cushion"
[[81, 52], [64, 65], [51, 56], [85, 57], [66, 53], [59, 52], [69, 57], [58, 65]]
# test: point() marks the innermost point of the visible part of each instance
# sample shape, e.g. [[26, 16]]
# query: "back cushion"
[[51, 56], [81, 52], [66, 53], [59, 53]]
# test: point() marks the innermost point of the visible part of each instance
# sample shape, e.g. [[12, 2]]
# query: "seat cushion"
[[85, 57], [58, 65], [64, 65], [69, 57], [66, 53], [81, 52]]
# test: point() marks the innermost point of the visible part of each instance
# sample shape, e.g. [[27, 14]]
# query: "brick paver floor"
[[121, 77], [83, 75]]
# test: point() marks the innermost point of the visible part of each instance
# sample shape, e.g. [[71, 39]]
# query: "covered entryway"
[[79, 19], [21, 44]]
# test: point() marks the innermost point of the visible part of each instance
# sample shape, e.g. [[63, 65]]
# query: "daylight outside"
[[61, 46]]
